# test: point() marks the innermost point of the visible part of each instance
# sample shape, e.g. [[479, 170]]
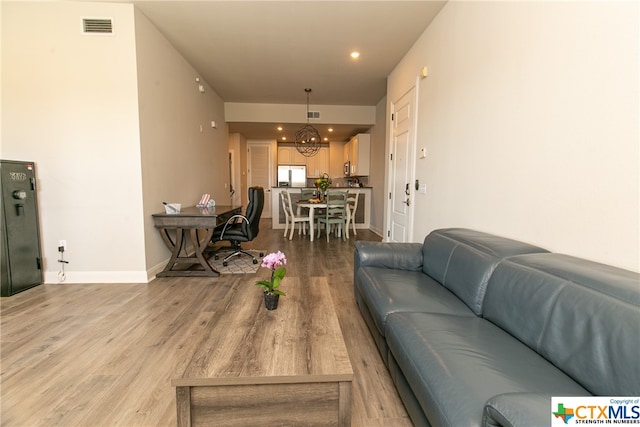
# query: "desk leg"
[[200, 246], [174, 247], [311, 230]]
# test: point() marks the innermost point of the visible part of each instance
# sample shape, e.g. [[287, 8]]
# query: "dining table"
[[312, 206]]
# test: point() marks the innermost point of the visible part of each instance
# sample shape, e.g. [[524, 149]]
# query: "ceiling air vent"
[[97, 26], [313, 114]]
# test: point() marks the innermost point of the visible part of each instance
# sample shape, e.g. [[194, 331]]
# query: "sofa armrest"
[[399, 256], [517, 410]]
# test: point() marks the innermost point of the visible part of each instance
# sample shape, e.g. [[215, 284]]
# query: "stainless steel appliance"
[[292, 176], [347, 169], [21, 262]]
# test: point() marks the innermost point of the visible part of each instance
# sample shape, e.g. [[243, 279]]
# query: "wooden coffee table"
[[258, 367]]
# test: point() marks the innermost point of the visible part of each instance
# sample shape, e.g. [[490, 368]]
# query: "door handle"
[[407, 202], [18, 207], [406, 189]]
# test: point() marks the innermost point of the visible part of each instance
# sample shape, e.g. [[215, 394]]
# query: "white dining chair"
[[295, 217], [352, 207], [287, 217]]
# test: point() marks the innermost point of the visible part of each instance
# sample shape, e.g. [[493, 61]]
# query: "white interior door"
[[259, 173], [402, 145]]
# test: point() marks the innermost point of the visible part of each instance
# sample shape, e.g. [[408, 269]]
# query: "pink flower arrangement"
[[275, 262]]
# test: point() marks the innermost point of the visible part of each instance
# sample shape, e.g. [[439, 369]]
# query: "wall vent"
[[313, 114], [97, 26]]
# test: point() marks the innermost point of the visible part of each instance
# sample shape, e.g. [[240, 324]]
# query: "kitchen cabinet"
[[288, 155], [358, 152], [318, 164]]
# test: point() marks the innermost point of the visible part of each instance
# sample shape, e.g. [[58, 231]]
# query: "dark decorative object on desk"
[[275, 262]]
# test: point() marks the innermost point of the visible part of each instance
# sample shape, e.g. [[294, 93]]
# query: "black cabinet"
[[21, 262]]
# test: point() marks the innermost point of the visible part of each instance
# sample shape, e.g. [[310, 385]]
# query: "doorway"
[[259, 170], [400, 210]]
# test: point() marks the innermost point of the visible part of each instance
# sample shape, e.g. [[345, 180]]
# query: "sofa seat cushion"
[[386, 291], [454, 364]]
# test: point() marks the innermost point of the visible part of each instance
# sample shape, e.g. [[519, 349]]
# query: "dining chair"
[[287, 217], [306, 194], [295, 217], [352, 207], [334, 214]]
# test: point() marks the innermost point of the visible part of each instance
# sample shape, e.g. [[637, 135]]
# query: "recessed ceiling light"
[[330, 129], [284, 138], [355, 54], [280, 128], [326, 139]]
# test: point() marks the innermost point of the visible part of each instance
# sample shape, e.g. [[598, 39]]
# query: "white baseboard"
[[153, 271], [378, 231], [51, 277]]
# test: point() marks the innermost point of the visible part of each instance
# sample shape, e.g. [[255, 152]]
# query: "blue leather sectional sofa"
[[479, 330]]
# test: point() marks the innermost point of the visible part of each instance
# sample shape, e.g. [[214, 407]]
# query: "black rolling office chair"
[[242, 228]]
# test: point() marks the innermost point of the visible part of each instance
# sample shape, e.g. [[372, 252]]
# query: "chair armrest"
[[231, 221], [400, 256]]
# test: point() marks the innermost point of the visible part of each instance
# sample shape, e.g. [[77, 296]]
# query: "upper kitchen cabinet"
[[318, 164], [358, 152], [288, 155]]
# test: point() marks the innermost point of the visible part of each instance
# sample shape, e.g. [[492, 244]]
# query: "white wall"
[[69, 103], [378, 163], [530, 117], [182, 155], [113, 124]]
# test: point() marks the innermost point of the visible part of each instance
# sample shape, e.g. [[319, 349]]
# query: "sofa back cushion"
[[582, 316], [462, 260]]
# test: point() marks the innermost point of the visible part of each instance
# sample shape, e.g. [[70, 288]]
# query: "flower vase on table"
[[322, 184]]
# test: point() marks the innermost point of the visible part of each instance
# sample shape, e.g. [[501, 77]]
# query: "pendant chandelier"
[[307, 137]]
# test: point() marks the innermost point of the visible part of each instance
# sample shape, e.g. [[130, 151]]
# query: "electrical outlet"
[[62, 244]]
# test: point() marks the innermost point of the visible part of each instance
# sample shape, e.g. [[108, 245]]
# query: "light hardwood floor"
[[105, 354]]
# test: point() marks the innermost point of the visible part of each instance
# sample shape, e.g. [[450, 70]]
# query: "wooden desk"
[[256, 367], [188, 223]]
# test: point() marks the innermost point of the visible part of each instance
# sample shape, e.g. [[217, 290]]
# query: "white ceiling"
[[270, 51]]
